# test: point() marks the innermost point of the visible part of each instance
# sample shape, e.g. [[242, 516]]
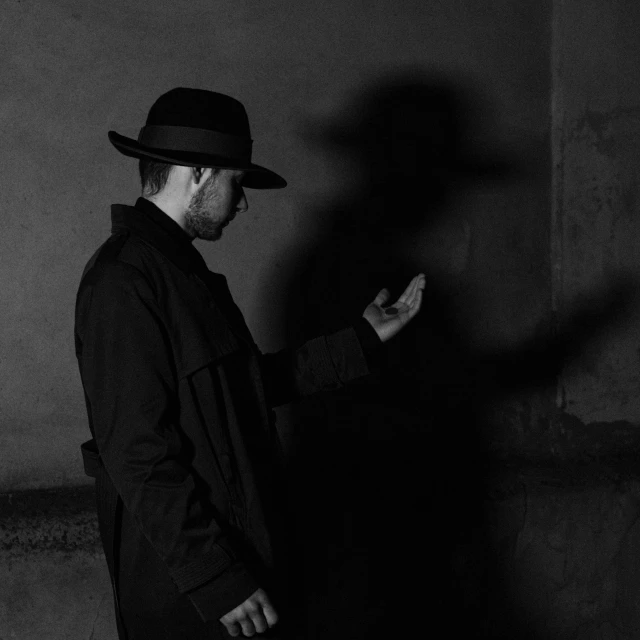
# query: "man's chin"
[[211, 236]]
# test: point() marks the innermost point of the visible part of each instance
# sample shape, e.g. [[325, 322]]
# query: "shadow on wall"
[[389, 475]]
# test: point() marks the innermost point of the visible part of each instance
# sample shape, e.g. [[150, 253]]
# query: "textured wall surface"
[[596, 229], [55, 582], [564, 553], [554, 85], [73, 70]]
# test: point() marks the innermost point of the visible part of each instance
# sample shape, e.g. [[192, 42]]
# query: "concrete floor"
[[54, 583], [560, 560]]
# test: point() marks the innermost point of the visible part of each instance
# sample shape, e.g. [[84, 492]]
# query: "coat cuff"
[[224, 593], [207, 567]]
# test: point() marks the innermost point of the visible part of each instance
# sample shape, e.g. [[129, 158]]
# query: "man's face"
[[215, 204]]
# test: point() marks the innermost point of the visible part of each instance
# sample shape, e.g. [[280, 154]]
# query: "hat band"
[[195, 140]]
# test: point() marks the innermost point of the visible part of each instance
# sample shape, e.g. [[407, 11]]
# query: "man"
[[179, 397]]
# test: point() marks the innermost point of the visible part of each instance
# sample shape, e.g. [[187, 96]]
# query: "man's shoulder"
[[119, 259]]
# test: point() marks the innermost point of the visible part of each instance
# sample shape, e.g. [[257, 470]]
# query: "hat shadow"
[[409, 139]]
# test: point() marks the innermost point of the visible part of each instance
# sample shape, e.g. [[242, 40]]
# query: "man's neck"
[[170, 207]]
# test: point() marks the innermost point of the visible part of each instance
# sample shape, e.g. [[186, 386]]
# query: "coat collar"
[[157, 228], [167, 236]]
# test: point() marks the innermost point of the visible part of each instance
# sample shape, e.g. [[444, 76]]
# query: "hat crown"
[[199, 128], [200, 109]]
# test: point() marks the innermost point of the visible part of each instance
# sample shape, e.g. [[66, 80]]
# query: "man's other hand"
[[388, 320], [255, 615]]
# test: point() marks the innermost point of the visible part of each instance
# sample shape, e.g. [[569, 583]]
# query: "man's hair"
[[153, 176]]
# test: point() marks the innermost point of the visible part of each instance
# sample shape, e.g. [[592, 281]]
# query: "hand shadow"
[[388, 475]]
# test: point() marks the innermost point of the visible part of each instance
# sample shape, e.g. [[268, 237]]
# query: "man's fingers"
[[259, 621], [248, 628], [405, 294], [255, 615], [248, 625], [233, 628], [418, 289], [416, 295], [270, 614], [408, 295], [267, 609], [406, 300], [415, 305], [411, 306], [409, 291]]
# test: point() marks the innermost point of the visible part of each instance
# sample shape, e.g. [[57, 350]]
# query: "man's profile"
[[184, 448]]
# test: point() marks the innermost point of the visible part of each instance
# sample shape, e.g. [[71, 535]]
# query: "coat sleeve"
[[128, 374], [324, 363]]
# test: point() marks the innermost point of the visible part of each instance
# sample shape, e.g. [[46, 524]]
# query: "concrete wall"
[[72, 70], [553, 85], [596, 146]]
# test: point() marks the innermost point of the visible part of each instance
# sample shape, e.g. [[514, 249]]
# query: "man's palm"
[[389, 320]]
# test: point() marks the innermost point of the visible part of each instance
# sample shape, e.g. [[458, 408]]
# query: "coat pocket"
[[209, 411]]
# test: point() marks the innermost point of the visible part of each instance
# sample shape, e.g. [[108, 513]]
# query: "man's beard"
[[198, 219]]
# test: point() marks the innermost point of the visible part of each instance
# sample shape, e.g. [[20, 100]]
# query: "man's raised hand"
[[255, 615], [388, 320]]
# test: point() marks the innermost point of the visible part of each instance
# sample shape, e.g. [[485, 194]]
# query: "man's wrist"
[[372, 346]]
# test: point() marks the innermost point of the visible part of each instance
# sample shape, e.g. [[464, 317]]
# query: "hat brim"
[[256, 177]]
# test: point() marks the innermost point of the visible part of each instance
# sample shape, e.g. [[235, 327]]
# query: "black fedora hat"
[[199, 128]]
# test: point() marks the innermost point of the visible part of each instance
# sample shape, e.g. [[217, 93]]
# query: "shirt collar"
[[156, 227]]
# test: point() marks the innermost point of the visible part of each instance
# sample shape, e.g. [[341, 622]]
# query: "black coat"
[[179, 403]]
